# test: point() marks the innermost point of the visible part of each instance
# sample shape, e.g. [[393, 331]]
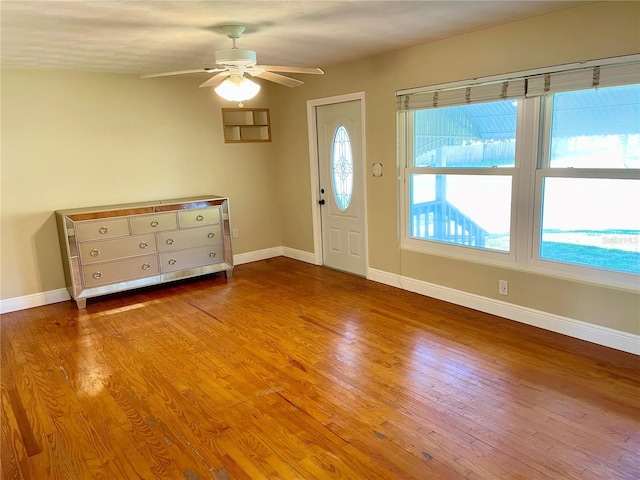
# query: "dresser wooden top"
[[139, 208]]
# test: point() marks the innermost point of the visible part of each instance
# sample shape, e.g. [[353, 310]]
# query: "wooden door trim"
[[315, 173]]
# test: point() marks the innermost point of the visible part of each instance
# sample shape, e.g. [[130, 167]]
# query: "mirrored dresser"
[[113, 248]]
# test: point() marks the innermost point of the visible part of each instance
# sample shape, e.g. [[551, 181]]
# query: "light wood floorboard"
[[294, 371]]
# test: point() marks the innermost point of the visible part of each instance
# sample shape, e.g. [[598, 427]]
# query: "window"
[[342, 168], [539, 172], [457, 194], [590, 209]]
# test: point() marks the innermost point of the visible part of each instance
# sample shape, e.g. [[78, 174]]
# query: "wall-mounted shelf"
[[246, 125]]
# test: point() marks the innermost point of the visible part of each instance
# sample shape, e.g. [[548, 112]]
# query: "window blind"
[[582, 79], [595, 74], [476, 93]]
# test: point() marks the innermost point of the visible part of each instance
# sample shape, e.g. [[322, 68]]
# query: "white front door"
[[341, 189]]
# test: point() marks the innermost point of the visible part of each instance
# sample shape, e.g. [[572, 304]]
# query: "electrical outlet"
[[234, 233], [503, 287]]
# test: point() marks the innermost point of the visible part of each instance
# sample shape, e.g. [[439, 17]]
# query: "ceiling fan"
[[233, 63]]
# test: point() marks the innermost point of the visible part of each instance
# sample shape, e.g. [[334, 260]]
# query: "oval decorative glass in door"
[[342, 168]]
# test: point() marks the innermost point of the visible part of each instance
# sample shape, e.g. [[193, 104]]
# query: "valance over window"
[[593, 74]]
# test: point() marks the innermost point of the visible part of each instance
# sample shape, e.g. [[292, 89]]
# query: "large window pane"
[[479, 135], [596, 128], [592, 222], [472, 210]]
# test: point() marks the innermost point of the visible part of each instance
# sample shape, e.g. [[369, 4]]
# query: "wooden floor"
[[290, 370]]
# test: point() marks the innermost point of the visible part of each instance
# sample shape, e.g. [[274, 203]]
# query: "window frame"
[[542, 171], [533, 134], [464, 252]]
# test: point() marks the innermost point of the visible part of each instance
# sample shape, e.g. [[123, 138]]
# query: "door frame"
[[315, 172]]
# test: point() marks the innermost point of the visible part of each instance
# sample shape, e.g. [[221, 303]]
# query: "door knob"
[[321, 202]]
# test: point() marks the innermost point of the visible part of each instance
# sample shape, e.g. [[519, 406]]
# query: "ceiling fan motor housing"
[[236, 57]]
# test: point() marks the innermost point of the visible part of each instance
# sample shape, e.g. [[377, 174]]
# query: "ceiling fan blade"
[[276, 68], [182, 72], [216, 79], [281, 79]]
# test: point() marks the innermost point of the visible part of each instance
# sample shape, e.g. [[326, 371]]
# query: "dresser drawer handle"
[[212, 254], [146, 266], [97, 275], [143, 245], [211, 235], [95, 252], [103, 230], [169, 241], [172, 262], [154, 223], [199, 218]]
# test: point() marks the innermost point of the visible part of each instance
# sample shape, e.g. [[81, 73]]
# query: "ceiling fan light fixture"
[[237, 88]]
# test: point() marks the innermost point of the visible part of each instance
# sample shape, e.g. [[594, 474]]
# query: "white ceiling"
[[139, 36]]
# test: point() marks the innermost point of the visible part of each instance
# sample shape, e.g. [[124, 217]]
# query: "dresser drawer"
[[104, 250], [189, 237], [199, 216], [191, 258], [107, 228], [155, 222], [120, 270]]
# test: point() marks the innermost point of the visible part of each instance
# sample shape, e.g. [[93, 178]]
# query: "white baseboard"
[[34, 300], [273, 252], [257, 255], [307, 257], [61, 295], [608, 337]]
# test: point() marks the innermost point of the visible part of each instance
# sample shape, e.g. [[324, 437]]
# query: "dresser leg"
[[81, 303], [228, 273]]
